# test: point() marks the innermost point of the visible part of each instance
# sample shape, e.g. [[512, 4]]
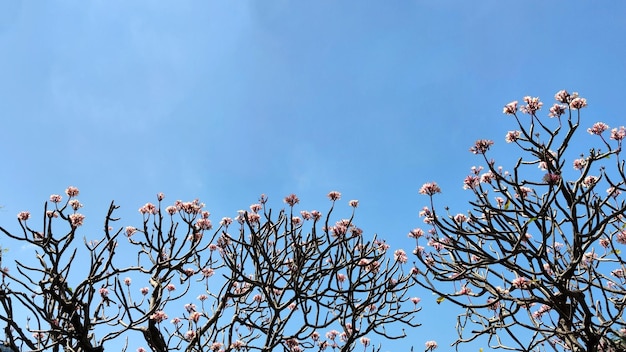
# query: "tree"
[[536, 263], [268, 286]]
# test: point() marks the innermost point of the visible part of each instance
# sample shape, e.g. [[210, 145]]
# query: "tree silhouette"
[[536, 263], [274, 283]]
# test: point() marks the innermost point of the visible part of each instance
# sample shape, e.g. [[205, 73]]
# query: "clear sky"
[[225, 100]]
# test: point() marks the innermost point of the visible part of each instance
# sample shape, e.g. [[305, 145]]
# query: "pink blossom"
[[159, 316], [148, 208], [579, 164], [416, 233], [523, 192], [237, 344], [144, 290], [557, 110], [354, 203], [578, 103], [481, 146], [332, 334], [487, 177], [76, 219], [130, 230], [562, 96], [215, 346], [202, 297], [415, 271], [204, 224], [621, 237], [618, 135], [548, 269], [365, 341], [226, 221], [305, 215], [460, 218], [316, 215], [619, 273], [471, 182], [207, 272], [315, 336], [500, 201], [170, 287], [334, 195], [52, 214], [512, 136], [23, 215], [598, 128], [416, 300], [71, 191], [295, 220], [400, 256], [127, 281], [175, 321], [613, 192], [160, 196], [604, 242], [75, 204], [189, 335], [195, 316], [464, 291], [520, 282], [256, 207], [190, 307], [141, 349], [430, 345], [55, 198], [103, 292], [430, 188], [532, 105], [510, 108], [254, 218], [590, 181], [341, 277], [292, 200], [170, 210], [551, 178]]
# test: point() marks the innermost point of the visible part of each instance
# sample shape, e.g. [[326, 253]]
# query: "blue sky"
[[225, 100]]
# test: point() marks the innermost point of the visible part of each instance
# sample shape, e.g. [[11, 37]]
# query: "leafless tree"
[[275, 283], [536, 262]]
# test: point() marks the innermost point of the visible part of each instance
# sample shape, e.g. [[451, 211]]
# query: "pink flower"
[[203, 297], [71, 191], [55, 198], [430, 345], [190, 307], [204, 224], [481, 146], [510, 108], [578, 103], [332, 334], [557, 110], [598, 128], [365, 341], [520, 282], [103, 292], [562, 96], [416, 233], [159, 316], [460, 218], [160, 196], [621, 237], [618, 135], [207, 272], [76, 219], [127, 281], [590, 181], [430, 188], [464, 291], [148, 208], [551, 178], [75, 204], [604, 242], [215, 346], [292, 200], [579, 164], [354, 203], [334, 195], [52, 214], [341, 277], [400, 256], [141, 349], [170, 287], [296, 220], [189, 335], [532, 105], [416, 300], [316, 215], [613, 192], [195, 316], [144, 290], [175, 321], [256, 207], [23, 215], [170, 210], [237, 344], [130, 230], [512, 136], [226, 221], [523, 192], [471, 182]]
